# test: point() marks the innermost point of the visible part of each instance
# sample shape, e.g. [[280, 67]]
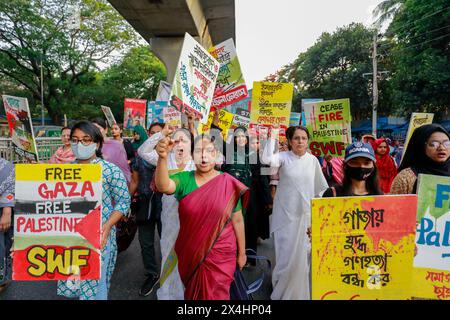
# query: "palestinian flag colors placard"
[[57, 222]]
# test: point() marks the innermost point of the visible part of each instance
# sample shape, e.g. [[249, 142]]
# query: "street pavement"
[[129, 275]]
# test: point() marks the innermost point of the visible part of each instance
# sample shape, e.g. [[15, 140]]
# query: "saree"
[[206, 245]]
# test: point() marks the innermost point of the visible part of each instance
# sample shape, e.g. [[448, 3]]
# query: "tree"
[[386, 10], [137, 75], [421, 57], [333, 68], [36, 31]]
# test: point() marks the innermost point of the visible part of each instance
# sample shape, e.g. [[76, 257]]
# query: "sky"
[[271, 34]]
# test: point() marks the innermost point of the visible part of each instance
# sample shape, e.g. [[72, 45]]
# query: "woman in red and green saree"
[[211, 240]]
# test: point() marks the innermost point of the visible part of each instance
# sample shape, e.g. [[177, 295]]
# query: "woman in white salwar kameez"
[[301, 179], [171, 287]]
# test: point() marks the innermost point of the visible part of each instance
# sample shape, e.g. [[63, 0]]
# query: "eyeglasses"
[[85, 141], [437, 144]]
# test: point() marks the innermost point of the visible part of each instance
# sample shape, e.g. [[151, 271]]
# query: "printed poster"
[[417, 120], [20, 127], [230, 85], [245, 104], [172, 117], [134, 113], [195, 80], [432, 261], [363, 247], [109, 115], [329, 124], [271, 105], [295, 119], [225, 122], [57, 222], [241, 119]]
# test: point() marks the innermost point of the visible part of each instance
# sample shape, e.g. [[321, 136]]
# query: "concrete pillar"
[[168, 50]]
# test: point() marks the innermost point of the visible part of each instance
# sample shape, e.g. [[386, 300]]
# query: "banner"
[[109, 115], [163, 91], [230, 85], [417, 120], [363, 247], [295, 119], [195, 80], [225, 123], [432, 261], [245, 104], [134, 113], [20, 127], [172, 117], [329, 124], [271, 104], [57, 222]]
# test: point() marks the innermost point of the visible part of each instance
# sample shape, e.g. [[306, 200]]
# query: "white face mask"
[[83, 152]]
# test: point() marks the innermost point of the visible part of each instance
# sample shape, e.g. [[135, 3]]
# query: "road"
[[128, 277]]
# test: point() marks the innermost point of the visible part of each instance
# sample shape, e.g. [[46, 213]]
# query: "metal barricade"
[[46, 147]]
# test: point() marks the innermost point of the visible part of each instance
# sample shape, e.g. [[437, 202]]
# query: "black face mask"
[[358, 173]]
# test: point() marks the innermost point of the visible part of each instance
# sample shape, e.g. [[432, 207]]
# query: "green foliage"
[[32, 31], [421, 57], [333, 68]]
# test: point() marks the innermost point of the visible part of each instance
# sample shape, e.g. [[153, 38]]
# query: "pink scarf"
[[62, 156]]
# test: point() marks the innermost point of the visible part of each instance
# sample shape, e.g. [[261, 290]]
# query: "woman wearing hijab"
[[64, 154], [387, 170], [139, 137], [301, 179], [428, 152]]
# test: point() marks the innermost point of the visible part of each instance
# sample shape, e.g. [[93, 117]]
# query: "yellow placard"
[[58, 172], [363, 247], [417, 120], [271, 104], [225, 122]]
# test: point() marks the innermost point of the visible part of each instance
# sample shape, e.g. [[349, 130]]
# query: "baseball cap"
[[359, 149]]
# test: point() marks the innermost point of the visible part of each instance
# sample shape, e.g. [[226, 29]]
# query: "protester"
[[117, 134], [333, 170], [7, 184], [360, 173], [87, 142], [368, 138], [147, 205], [211, 232], [238, 165], [139, 137], [64, 154], [113, 151], [428, 152], [301, 179], [260, 206], [180, 159], [386, 167]]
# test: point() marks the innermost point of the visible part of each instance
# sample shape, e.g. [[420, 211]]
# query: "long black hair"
[[101, 122], [91, 130], [372, 183]]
